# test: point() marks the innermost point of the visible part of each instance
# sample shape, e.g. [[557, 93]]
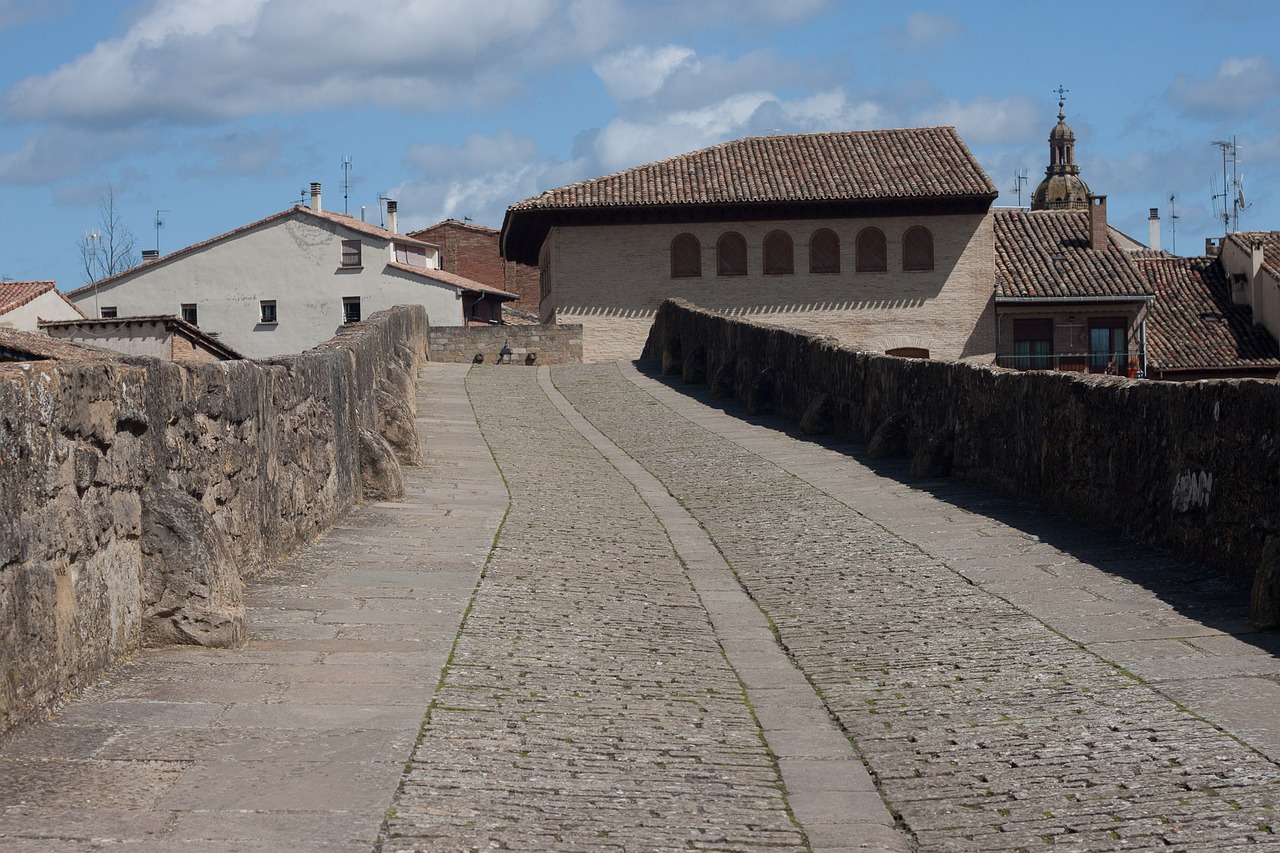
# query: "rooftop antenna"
[[346, 182], [382, 209], [1019, 181], [1232, 190], [159, 225], [1173, 220]]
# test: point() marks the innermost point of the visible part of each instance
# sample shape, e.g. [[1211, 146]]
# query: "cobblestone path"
[[986, 729], [587, 704]]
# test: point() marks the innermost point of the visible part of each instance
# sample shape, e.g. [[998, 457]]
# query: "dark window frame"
[[871, 251], [824, 259], [779, 253], [686, 256], [352, 254], [351, 309], [917, 253], [724, 258], [190, 314], [1033, 343], [267, 314]]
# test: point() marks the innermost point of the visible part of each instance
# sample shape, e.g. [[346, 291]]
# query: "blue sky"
[[220, 112]]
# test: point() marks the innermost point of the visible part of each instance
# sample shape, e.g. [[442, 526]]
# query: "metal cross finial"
[[1062, 95]]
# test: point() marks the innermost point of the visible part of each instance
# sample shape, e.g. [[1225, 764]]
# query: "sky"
[[209, 114]]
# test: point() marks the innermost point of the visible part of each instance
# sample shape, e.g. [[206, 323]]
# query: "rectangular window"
[[107, 312], [351, 253], [351, 309], [268, 311], [189, 313], [1033, 344], [413, 256], [1108, 347]]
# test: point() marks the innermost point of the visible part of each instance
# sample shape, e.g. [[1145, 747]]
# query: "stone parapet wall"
[[544, 344], [136, 494], [1193, 468]]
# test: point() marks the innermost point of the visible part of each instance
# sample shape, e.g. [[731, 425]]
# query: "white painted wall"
[[296, 261], [1261, 290], [149, 339], [46, 306]]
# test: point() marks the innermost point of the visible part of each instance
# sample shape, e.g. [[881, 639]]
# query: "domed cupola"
[[1062, 187]]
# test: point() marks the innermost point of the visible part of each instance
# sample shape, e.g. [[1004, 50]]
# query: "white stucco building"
[[23, 304], [288, 282]]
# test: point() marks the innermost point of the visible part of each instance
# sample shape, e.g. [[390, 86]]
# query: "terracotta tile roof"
[[854, 173], [348, 222], [453, 224], [452, 279], [33, 346], [1045, 254], [928, 162], [1194, 325], [15, 294], [1270, 241]]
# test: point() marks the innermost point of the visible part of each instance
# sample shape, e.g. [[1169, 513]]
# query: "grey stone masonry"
[[611, 614]]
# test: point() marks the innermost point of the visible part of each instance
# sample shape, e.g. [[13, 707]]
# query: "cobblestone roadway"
[[987, 730], [588, 704]]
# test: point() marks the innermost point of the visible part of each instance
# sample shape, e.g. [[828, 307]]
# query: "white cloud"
[[478, 179], [48, 157], [989, 121], [640, 72], [1240, 85], [924, 31], [209, 60]]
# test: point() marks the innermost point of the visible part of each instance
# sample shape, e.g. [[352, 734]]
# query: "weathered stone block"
[[191, 584]]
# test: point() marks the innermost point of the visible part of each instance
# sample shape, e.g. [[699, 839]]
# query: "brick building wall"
[[612, 279], [472, 251]]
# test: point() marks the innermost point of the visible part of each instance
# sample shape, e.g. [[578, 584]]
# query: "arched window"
[[731, 254], [686, 257], [779, 256], [917, 249], [824, 251], [872, 254]]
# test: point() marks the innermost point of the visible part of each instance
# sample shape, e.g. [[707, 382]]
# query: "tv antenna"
[[159, 224], [1173, 220], [1232, 194], [1019, 181], [382, 209], [346, 182]]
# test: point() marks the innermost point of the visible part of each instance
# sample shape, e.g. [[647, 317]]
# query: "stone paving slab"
[[918, 614], [298, 741]]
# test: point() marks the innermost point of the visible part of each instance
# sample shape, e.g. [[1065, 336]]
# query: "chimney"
[[1098, 222], [391, 215], [1211, 248], [315, 196], [1153, 230], [150, 256]]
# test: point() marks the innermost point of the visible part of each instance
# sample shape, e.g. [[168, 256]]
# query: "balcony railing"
[[1120, 363]]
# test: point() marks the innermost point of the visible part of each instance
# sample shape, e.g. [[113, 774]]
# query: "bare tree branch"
[[112, 246]]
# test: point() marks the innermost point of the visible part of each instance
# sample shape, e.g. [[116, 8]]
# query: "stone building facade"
[[879, 238]]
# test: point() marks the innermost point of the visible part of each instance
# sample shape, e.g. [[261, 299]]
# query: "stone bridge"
[[612, 613]]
